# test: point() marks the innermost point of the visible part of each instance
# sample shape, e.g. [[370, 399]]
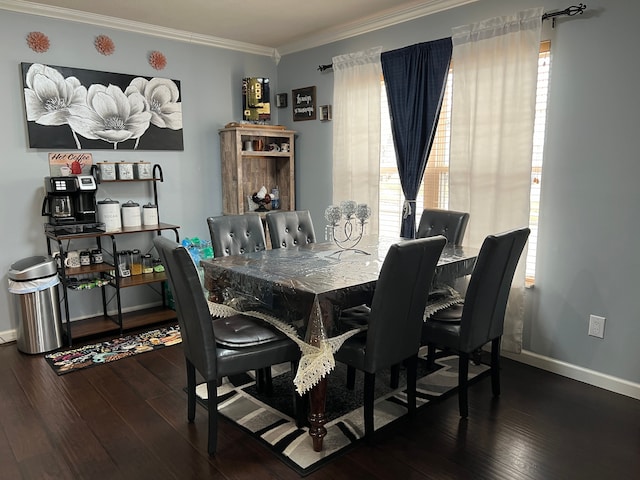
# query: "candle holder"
[[352, 217]]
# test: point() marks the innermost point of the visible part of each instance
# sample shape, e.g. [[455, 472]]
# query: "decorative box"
[[143, 170], [107, 170], [125, 171]]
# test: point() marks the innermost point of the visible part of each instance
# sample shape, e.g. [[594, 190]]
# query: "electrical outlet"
[[596, 326]]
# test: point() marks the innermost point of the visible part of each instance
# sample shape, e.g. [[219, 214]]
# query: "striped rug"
[[270, 417]]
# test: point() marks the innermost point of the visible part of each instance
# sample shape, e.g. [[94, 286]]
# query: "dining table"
[[303, 290]]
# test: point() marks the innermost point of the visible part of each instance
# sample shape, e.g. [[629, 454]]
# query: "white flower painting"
[[84, 109]]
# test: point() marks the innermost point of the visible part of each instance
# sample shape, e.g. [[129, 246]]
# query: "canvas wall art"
[[72, 108]]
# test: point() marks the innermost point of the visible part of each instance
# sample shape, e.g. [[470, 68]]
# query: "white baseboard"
[[597, 379], [7, 336]]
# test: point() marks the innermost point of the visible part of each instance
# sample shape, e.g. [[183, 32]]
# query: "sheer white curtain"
[[356, 129], [494, 92]]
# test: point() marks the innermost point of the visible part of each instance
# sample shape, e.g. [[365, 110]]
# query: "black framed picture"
[[281, 100], [303, 101], [325, 113], [73, 108]]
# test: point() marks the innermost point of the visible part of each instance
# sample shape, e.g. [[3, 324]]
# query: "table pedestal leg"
[[317, 418]]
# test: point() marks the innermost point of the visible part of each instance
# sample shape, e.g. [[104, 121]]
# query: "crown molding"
[[371, 24], [335, 34], [135, 27]]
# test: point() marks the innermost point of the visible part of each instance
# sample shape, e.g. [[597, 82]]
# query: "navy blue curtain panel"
[[415, 78]]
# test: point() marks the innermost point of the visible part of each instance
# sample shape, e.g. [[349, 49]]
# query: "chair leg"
[[213, 417], [259, 374], [191, 391], [431, 356], [351, 378], [264, 381], [495, 366], [395, 376], [463, 373], [412, 374], [268, 381], [369, 389]]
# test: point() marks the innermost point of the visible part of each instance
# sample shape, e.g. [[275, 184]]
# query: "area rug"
[[100, 353], [270, 417]]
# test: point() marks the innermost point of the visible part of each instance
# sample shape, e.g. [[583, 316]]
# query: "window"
[[436, 175]]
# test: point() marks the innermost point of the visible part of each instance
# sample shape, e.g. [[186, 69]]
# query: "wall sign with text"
[[303, 101]]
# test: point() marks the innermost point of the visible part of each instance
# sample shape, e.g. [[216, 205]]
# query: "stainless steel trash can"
[[33, 283]]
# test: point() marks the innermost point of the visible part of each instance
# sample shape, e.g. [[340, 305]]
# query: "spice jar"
[[124, 263], [136, 262], [147, 263]]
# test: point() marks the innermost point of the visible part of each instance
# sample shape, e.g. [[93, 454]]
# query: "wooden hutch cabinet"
[[252, 157]]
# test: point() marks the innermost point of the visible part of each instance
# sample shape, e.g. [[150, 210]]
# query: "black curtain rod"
[[569, 11]]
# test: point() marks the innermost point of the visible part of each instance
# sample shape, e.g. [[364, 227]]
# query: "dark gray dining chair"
[[290, 228], [394, 320], [236, 234], [228, 346], [449, 223], [465, 328]]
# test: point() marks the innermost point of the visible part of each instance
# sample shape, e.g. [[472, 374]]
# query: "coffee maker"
[[70, 200]]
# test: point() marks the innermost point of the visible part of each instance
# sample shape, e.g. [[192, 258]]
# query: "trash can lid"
[[31, 268]]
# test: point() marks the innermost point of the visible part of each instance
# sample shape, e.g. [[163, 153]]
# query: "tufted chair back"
[[443, 222], [236, 234], [290, 229]]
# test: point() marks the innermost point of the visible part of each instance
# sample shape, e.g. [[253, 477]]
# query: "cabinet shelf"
[[143, 279], [266, 154], [244, 172], [88, 269], [103, 324], [130, 180]]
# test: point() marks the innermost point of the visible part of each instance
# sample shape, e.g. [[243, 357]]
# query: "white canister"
[[131, 214], [109, 214], [149, 214], [125, 171]]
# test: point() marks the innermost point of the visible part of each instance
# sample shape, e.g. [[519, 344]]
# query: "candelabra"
[[354, 217]]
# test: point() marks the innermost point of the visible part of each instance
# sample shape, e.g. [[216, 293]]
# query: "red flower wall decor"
[[104, 45], [157, 60], [38, 42]]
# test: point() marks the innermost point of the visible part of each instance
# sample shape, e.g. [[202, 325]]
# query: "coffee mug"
[[56, 257], [65, 171], [72, 259], [85, 257], [248, 146], [274, 147], [96, 256], [284, 147]]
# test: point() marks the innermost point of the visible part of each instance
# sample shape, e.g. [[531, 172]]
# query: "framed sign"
[[303, 101], [281, 100]]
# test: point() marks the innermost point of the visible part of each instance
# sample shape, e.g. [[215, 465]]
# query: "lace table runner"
[[316, 361]]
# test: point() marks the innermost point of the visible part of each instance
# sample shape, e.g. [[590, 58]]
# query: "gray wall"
[[589, 188], [590, 193], [211, 95]]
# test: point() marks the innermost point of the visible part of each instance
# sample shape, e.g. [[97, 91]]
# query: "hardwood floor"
[[127, 420]]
